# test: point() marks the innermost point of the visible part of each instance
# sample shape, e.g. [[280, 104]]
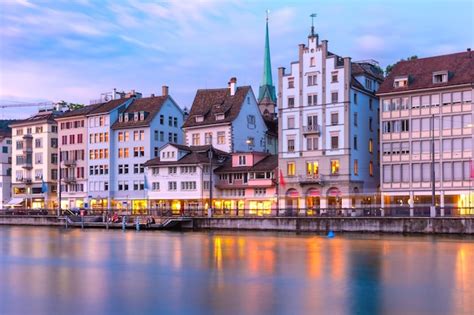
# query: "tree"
[[70, 106], [389, 68]]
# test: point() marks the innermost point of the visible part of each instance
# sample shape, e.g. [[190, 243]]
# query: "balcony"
[[27, 149], [310, 179], [25, 180], [69, 179], [311, 129], [27, 165], [27, 136], [69, 163]]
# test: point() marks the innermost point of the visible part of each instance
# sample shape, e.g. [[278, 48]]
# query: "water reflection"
[[112, 272]]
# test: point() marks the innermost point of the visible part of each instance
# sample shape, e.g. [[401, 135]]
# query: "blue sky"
[[76, 50]]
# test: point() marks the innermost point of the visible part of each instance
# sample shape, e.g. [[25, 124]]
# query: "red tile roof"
[[80, 111], [109, 106], [196, 155], [48, 116], [209, 102], [420, 71]]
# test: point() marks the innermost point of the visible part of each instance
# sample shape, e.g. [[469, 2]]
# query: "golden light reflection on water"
[[246, 273]]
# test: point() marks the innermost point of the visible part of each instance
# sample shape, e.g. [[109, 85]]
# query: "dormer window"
[[199, 118], [368, 84], [400, 82], [135, 116], [440, 77], [142, 115], [220, 116]]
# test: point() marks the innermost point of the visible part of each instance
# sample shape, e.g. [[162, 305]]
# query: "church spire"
[[267, 90]]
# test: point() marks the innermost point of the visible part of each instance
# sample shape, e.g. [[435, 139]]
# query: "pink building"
[[247, 182]]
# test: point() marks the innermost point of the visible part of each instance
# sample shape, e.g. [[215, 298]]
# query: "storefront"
[[334, 197], [291, 199], [260, 208], [313, 201]]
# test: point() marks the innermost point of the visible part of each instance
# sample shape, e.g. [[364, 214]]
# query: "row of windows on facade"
[[73, 138], [20, 144], [417, 147], [75, 155], [173, 170], [38, 158], [231, 177], [312, 144], [67, 173], [421, 172], [312, 168], [447, 122], [137, 185], [403, 103], [38, 129], [312, 121], [38, 173], [72, 188], [137, 168], [160, 136], [72, 124], [137, 152], [196, 138], [312, 78]]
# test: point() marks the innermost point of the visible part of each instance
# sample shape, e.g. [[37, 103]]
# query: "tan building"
[[35, 160], [423, 100]]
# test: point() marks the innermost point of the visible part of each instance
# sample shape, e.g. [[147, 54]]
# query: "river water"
[[56, 271]]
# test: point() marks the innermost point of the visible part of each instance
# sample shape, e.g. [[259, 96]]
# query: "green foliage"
[[71, 106], [389, 68]]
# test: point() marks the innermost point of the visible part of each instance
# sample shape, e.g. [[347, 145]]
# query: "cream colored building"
[[425, 99], [35, 160]]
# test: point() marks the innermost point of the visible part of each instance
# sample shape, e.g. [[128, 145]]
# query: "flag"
[[145, 183], [281, 179], [472, 170], [44, 186]]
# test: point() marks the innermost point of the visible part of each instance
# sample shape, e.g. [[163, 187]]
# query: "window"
[[312, 143], [371, 168], [188, 185], [371, 146], [155, 186], [38, 143], [312, 62], [175, 122], [312, 122], [291, 102], [291, 83], [162, 119], [371, 106], [208, 138], [334, 142], [312, 168], [251, 121], [196, 140], [260, 192], [368, 84], [440, 77], [291, 145], [334, 167], [312, 99], [172, 170], [333, 76], [291, 169], [356, 167], [172, 186], [400, 82], [355, 119], [312, 79], [242, 160], [334, 97], [291, 122], [334, 118], [221, 137], [370, 124], [355, 142], [355, 98], [170, 121], [447, 171]]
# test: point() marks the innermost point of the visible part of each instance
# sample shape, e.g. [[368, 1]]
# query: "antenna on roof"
[[312, 15]]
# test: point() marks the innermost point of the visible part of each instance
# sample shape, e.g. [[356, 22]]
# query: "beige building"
[[35, 160], [423, 100]]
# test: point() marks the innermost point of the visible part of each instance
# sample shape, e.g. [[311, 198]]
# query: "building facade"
[[179, 179], [145, 126], [229, 119], [425, 100], [328, 129], [247, 183], [73, 144], [6, 165], [35, 160]]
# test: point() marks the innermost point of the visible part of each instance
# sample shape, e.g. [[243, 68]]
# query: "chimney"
[[152, 95], [164, 90], [232, 85]]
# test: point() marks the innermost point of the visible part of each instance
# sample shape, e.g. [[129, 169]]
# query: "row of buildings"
[[337, 135]]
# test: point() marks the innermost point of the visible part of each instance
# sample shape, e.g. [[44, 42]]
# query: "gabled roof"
[[209, 102], [460, 67], [196, 155], [265, 165], [104, 108], [150, 105], [80, 111], [365, 68], [48, 116]]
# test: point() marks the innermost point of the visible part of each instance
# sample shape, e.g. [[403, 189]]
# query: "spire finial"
[[268, 12], [313, 15]]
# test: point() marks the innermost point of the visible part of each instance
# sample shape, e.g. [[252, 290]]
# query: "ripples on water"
[[53, 271]]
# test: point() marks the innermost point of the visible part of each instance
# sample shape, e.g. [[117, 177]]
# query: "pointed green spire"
[[267, 90]]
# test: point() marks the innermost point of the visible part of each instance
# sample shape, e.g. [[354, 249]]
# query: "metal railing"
[[369, 211]]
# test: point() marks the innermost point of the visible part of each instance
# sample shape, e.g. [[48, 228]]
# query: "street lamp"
[[210, 155]]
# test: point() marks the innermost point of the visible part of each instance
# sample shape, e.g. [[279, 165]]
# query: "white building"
[[179, 178], [229, 119], [328, 130], [5, 165], [35, 160], [140, 131]]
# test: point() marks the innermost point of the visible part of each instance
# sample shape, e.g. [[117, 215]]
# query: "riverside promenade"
[[322, 221]]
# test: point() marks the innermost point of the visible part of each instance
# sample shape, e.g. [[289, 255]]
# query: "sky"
[[74, 50]]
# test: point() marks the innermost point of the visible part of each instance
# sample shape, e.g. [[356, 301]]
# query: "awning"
[[313, 193], [292, 193], [15, 202]]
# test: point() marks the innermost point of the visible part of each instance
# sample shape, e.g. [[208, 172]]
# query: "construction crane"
[[40, 105]]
